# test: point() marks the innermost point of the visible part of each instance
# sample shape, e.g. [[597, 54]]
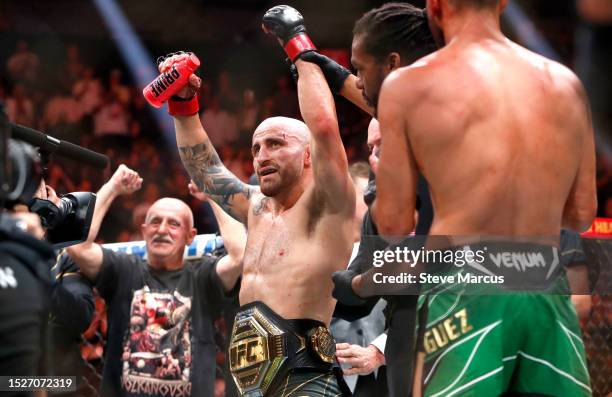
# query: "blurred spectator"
[[111, 118], [248, 113], [62, 115], [88, 91], [56, 177], [285, 99], [142, 115], [221, 126], [267, 108], [73, 67], [120, 91], [228, 99], [19, 107], [233, 162], [23, 65]]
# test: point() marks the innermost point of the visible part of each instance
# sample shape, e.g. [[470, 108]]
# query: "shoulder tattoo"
[[259, 208]]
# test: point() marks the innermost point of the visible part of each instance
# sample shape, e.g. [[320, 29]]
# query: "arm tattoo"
[[210, 175]]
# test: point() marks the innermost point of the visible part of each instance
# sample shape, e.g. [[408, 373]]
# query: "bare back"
[[499, 133], [289, 257]]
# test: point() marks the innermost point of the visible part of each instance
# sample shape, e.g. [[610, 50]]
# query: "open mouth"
[[267, 171]]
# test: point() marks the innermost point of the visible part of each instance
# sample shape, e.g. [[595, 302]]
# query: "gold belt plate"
[[256, 353]]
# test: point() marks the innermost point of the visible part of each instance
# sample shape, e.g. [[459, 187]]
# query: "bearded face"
[[278, 159]]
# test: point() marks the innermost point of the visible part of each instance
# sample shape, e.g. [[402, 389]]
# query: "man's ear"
[[307, 157], [191, 236], [435, 9], [394, 61]]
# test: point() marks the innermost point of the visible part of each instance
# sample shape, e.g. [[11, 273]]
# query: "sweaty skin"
[[300, 219], [502, 135]]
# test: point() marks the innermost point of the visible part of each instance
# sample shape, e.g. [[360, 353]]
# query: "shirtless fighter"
[[300, 228], [535, 175]]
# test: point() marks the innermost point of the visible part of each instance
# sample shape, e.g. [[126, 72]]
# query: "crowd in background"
[[100, 109], [97, 106]]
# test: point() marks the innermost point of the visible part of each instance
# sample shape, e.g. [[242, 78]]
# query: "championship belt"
[[264, 346]]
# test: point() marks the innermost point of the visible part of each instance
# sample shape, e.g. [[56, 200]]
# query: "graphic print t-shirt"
[[161, 335]]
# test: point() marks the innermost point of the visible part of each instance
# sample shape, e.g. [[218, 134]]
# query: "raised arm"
[[88, 255], [581, 205], [229, 268], [330, 167], [200, 158], [329, 162]]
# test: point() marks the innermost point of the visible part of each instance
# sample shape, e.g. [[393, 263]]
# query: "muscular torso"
[[497, 137], [290, 256]]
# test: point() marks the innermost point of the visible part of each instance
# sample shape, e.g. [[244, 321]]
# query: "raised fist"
[[287, 25], [125, 180], [195, 192], [284, 22], [192, 84]]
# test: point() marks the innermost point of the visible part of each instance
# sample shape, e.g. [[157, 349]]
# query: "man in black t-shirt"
[[160, 310]]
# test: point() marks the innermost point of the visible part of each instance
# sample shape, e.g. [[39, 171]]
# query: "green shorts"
[[479, 345]]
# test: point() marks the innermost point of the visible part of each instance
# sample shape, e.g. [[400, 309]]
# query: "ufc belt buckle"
[[323, 344], [258, 349]]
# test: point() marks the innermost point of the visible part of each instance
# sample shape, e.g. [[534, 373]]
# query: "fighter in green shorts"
[[520, 343]]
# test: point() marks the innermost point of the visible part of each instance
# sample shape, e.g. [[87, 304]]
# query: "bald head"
[[281, 155], [290, 128], [167, 230], [172, 205], [374, 133], [374, 144], [475, 3]]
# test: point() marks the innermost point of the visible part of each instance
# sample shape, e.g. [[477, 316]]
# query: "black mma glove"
[[287, 24]]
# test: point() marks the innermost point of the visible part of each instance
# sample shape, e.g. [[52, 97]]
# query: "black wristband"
[[292, 70], [334, 73]]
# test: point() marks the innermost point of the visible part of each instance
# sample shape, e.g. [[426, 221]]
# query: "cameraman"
[[70, 290], [25, 284], [25, 279], [28, 289]]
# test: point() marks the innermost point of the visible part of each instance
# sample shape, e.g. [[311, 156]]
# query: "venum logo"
[[7, 278], [521, 261]]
